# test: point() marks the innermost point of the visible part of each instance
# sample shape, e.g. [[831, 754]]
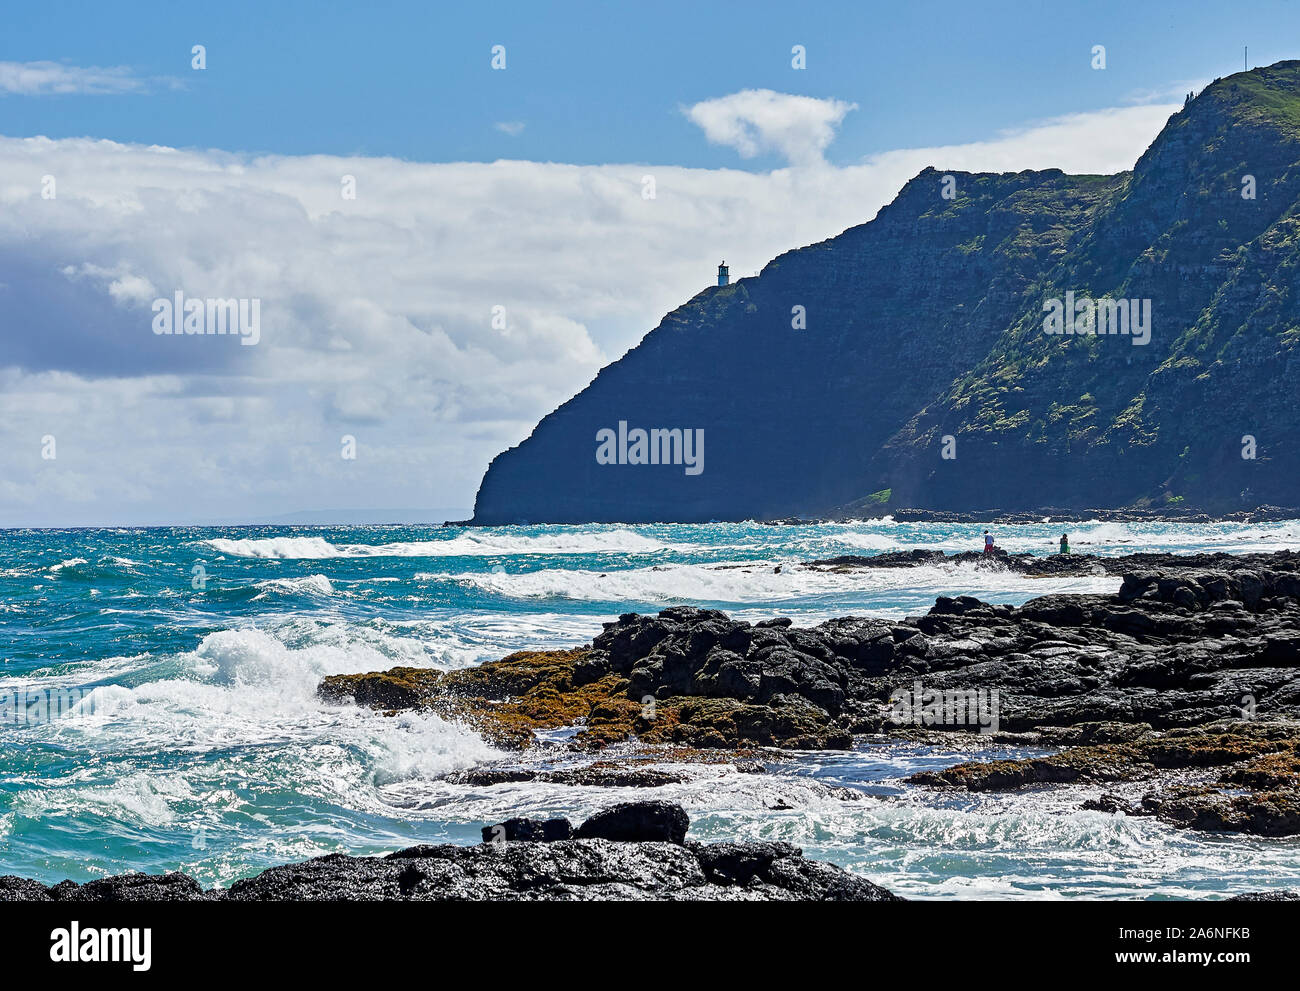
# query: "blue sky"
[[603, 82], [501, 246]]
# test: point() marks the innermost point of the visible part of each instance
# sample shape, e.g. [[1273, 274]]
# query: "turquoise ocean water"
[[166, 678]]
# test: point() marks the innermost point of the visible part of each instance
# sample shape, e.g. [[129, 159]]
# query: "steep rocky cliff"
[[925, 337]]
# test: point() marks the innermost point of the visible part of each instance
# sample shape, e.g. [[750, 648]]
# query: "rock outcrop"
[[1116, 678], [633, 852], [1232, 777], [661, 822], [1172, 648]]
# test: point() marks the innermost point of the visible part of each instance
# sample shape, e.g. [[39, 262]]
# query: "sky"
[[441, 251]]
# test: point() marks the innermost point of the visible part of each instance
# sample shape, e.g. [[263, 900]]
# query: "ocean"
[[167, 682]]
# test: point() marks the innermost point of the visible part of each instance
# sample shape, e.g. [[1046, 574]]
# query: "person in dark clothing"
[[1065, 543]]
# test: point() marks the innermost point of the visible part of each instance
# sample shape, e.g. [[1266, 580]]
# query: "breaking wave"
[[473, 544]]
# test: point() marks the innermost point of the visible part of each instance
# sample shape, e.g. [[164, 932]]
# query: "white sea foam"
[[414, 643], [916, 842], [1096, 536], [304, 585], [759, 583], [275, 547], [869, 541], [461, 639], [243, 703], [1091, 536], [473, 544], [140, 799]]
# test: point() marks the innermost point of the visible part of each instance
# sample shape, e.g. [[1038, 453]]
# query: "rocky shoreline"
[[1181, 691], [636, 851], [1176, 697]]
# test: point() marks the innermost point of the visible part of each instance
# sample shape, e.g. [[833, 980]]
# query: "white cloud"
[[376, 312], [1085, 143], [514, 128], [46, 78], [123, 286], [756, 121]]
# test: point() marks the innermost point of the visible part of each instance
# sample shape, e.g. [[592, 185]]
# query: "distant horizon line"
[[434, 516]]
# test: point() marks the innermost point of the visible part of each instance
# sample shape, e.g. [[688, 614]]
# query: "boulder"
[[637, 822], [528, 831]]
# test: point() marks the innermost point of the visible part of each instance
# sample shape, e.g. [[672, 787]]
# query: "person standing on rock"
[[988, 542], [1065, 543]]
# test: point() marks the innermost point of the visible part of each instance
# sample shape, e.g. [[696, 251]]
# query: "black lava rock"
[[661, 822]]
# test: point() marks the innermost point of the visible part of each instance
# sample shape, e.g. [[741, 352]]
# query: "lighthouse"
[[724, 274]]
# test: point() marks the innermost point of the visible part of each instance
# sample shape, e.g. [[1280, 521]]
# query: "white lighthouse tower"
[[724, 274]]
